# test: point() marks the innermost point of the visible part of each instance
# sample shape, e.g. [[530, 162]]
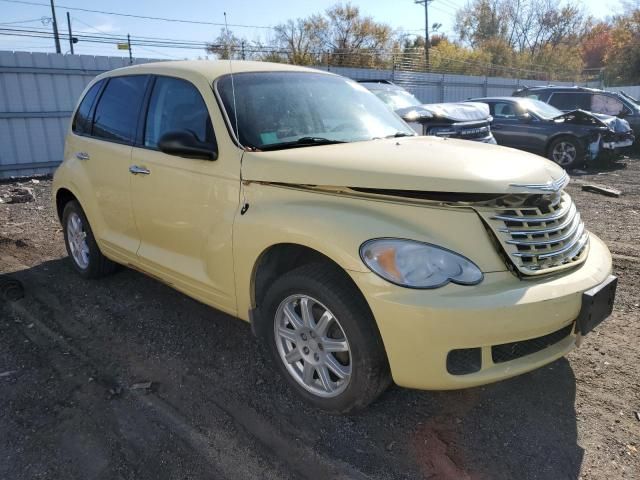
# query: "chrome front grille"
[[541, 236]]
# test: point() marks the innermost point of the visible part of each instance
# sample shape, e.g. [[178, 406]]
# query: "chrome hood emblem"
[[550, 186]]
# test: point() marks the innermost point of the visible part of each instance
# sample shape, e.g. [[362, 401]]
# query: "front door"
[[184, 207], [514, 127]]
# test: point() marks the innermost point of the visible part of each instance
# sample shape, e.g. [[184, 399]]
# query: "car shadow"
[[206, 364]]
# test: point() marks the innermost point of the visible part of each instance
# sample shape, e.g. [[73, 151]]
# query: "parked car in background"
[[566, 138], [358, 251], [590, 99], [464, 120]]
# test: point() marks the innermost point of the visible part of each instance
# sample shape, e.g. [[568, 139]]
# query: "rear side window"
[[117, 112], [176, 105], [571, 101], [81, 122], [606, 104]]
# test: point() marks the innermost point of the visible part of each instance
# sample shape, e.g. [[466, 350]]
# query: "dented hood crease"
[[414, 164]]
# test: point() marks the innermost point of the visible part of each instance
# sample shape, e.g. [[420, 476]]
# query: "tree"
[[595, 45], [341, 32], [299, 41], [522, 24], [227, 46], [622, 60]]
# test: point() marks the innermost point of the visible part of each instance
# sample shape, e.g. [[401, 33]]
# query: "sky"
[[399, 14]]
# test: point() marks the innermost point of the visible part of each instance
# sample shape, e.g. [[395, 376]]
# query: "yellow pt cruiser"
[[360, 253]]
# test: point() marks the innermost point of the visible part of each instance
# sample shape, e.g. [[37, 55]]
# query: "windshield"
[[630, 98], [541, 109], [287, 109], [396, 98]]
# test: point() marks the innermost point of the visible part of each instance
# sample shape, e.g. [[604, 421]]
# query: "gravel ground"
[[71, 350]]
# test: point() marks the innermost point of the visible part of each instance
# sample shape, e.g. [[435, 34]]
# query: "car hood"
[[427, 164], [615, 124], [454, 112]]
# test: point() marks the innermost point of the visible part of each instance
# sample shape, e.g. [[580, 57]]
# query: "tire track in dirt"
[[226, 452]]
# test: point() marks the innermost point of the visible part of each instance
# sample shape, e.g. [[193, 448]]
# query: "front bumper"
[[615, 144], [420, 327]]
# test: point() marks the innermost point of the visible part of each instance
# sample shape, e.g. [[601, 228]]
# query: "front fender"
[[337, 225]]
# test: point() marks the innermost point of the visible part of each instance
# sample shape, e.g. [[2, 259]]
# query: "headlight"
[[418, 265]]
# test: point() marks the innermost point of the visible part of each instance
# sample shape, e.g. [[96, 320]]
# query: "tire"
[[83, 251], [566, 151], [329, 294]]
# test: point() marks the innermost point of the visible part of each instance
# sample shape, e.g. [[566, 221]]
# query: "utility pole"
[[55, 28], [70, 35], [129, 44], [427, 42]]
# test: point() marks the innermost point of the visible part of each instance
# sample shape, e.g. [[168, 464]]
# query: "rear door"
[[101, 144], [184, 207]]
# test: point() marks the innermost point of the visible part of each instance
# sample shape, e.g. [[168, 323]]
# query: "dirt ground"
[[71, 351]]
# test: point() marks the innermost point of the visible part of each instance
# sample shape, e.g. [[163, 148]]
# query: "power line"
[[15, 22], [143, 17]]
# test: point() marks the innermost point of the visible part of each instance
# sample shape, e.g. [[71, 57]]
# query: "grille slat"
[[542, 237]]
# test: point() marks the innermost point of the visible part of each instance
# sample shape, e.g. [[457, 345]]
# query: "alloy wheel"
[[564, 153], [77, 240], [313, 345]]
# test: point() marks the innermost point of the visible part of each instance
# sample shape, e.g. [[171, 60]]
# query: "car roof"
[[565, 88], [496, 99], [210, 69]]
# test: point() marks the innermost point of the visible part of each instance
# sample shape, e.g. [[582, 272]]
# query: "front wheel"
[[323, 338], [566, 152]]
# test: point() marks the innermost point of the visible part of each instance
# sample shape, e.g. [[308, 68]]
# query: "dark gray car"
[[566, 138], [593, 100]]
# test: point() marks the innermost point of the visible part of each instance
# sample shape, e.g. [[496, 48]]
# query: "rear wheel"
[[566, 152], [323, 338], [86, 257]]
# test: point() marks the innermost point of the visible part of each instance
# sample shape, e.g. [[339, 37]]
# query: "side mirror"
[[184, 143]]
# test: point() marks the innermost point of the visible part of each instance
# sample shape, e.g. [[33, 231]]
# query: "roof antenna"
[[233, 86]]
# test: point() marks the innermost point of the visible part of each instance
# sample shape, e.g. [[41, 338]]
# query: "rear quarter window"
[[118, 108], [81, 122]]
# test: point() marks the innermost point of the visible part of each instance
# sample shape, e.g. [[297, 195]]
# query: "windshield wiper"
[[301, 142], [401, 134]]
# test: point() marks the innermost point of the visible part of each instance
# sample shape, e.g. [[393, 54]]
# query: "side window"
[[118, 108], [571, 100], [81, 122], [176, 105], [606, 104], [504, 110]]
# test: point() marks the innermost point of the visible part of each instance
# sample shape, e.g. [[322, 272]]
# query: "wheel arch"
[[278, 259], [63, 196]]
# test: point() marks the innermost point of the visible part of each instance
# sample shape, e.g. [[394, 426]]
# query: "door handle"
[[82, 156], [136, 170]]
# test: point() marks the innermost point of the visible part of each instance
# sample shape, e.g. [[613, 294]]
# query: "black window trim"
[[102, 82], [144, 110], [99, 98]]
